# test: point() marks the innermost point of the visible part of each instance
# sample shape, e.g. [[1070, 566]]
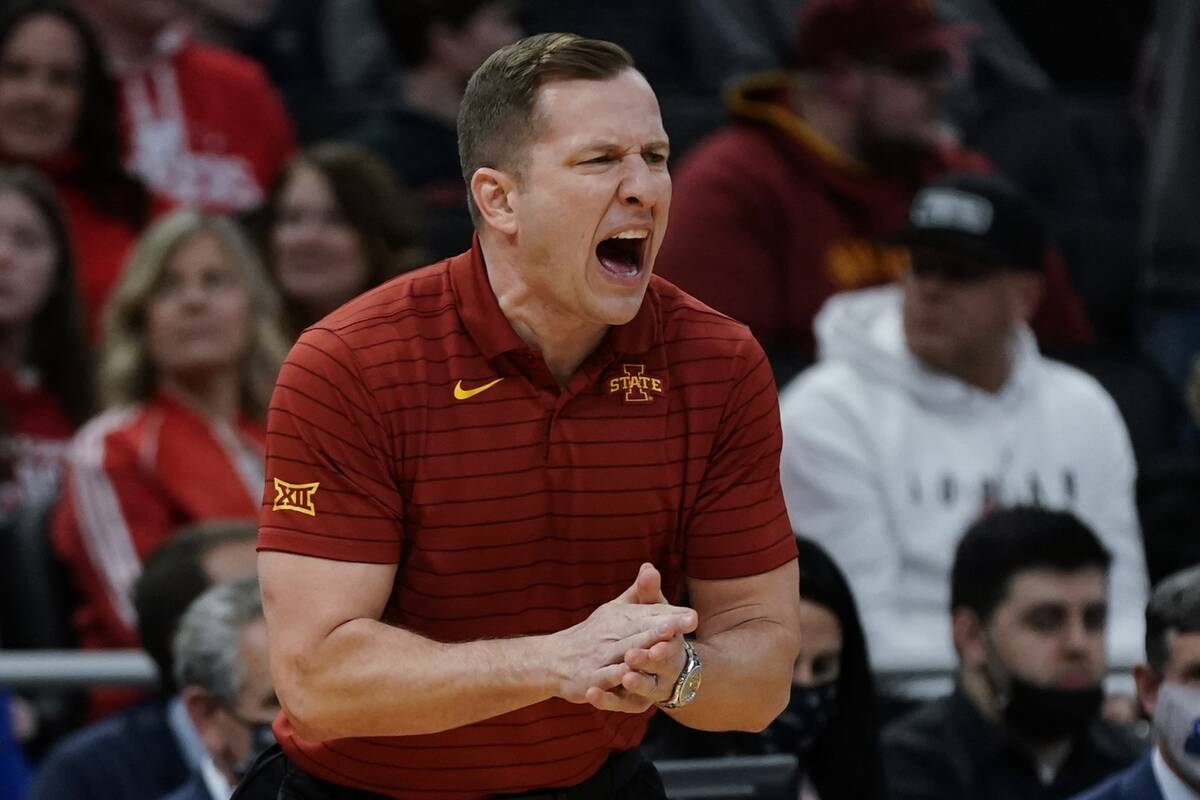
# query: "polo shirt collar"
[[478, 307], [493, 333]]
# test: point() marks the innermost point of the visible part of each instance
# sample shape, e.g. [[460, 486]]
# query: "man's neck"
[[564, 341], [988, 374], [433, 91], [216, 396], [1048, 755]]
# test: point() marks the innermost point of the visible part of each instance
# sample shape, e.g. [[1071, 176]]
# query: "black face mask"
[[261, 737], [1048, 713], [806, 717]]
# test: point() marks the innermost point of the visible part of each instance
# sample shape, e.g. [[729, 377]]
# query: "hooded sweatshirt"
[[768, 219], [887, 463]]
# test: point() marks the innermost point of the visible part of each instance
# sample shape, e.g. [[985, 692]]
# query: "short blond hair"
[[127, 373]]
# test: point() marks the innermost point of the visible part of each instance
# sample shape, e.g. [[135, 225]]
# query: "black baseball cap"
[[981, 218]]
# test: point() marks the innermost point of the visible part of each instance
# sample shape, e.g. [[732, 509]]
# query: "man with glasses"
[[784, 206], [932, 406], [221, 667]]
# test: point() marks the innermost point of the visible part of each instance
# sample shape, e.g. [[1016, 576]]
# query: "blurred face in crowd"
[[198, 317], [1049, 630], [820, 659], [601, 152], [229, 733], [316, 254], [28, 255], [463, 49], [902, 107], [1171, 699], [1182, 667], [958, 313], [41, 88]]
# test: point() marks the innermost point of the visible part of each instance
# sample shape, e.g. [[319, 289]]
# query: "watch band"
[[691, 668]]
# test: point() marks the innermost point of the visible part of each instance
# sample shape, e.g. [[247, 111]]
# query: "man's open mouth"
[[624, 254]]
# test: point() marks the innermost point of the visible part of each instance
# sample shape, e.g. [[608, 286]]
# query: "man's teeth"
[[631, 235]]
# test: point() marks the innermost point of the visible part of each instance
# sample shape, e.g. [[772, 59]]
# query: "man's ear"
[[494, 193], [1148, 683], [203, 711], [968, 635]]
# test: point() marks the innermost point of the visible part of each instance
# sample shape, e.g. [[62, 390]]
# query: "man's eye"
[[599, 160], [655, 158]]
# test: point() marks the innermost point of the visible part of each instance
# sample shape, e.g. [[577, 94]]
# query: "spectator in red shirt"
[[45, 377], [786, 205], [335, 224], [190, 352], [203, 126], [58, 112]]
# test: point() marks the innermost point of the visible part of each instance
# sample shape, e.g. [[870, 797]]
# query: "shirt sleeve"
[[738, 525], [331, 490], [111, 515]]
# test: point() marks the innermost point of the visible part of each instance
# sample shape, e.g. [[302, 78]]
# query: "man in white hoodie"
[[931, 406]]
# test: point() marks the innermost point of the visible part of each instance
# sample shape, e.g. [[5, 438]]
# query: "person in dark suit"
[[221, 667], [151, 748], [1169, 692]]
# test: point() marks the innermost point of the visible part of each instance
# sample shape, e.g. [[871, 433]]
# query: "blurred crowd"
[[963, 231]]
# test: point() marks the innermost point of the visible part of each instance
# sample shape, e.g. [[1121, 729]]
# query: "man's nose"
[[641, 186]]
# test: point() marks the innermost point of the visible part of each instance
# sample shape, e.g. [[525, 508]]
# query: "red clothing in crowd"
[[36, 432], [204, 127], [135, 474], [414, 427], [101, 238], [768, 219]]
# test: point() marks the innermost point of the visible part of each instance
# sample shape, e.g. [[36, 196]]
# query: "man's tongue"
[[619, 256]]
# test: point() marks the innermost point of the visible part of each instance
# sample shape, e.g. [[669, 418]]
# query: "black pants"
[[625, 776]]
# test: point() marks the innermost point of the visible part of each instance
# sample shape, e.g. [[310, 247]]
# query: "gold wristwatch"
[[688, 682]]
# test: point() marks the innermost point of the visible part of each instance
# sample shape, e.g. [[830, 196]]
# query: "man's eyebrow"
[[600, 146]]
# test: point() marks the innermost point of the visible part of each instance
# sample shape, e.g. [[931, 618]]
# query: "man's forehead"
[[1043, 585], [617, 109], [1184, 649]]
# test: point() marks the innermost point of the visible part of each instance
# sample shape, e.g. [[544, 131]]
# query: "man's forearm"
[[747, 677], [354, 683]]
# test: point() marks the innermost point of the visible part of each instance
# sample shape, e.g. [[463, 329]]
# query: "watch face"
[[690, 686]]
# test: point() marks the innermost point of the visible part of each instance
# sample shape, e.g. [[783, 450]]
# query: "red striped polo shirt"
[[413, 426]]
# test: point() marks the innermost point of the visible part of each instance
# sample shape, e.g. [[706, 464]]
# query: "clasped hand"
[[628, 653]]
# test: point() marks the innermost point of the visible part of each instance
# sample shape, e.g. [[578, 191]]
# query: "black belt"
[[613, 775]]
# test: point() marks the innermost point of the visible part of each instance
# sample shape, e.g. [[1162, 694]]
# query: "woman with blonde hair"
[[190, 353]]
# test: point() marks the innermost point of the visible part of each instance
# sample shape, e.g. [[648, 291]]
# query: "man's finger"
[[649, 585], [618, 700], [630, 595], [642, 685], [665, 629]]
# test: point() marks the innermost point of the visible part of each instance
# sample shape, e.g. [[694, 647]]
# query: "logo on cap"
[[949, 208]]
